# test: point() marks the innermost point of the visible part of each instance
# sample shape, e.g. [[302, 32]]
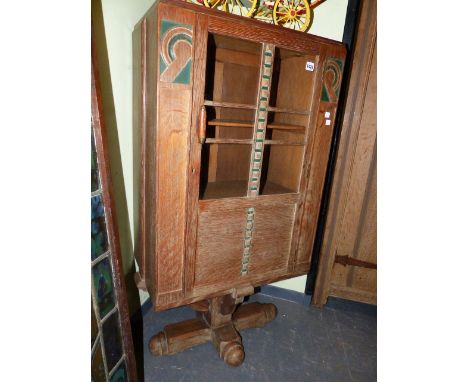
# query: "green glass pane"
[[98, 373], [94, 166], [94, 326], [102, 277], [99, 242], [120, 375], [112, 340]]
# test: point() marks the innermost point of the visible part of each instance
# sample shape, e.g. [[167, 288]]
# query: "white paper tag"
[[310, 66], [327, 122], [327, 114]]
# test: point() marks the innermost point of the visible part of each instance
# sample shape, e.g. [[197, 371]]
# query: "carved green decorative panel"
[[175, 61], [332, 76]]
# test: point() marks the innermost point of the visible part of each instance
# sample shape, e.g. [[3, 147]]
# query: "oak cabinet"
[[233, 122]]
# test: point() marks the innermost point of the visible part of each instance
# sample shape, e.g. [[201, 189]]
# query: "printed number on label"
[[310, 66]]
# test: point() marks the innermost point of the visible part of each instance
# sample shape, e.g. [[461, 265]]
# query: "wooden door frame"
[[115, 258], [349, 37], [363, 52]]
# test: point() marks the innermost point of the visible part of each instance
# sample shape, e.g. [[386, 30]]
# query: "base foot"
[[219, 324]]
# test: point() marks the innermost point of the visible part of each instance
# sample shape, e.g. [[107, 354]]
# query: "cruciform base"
[[217, 321]]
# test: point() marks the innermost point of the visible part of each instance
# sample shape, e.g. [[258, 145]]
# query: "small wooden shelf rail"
[[250, 141], [250, 124], [254, 107]]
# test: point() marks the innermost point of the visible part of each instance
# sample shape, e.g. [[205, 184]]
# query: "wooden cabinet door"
[[254, 105]]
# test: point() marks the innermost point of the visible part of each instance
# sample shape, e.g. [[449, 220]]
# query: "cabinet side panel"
[[313, 194], [174, 121], [150, 149], [330, 90], [175, 82], [139, 132]]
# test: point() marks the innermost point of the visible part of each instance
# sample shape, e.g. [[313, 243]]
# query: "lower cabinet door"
[[243, 240]]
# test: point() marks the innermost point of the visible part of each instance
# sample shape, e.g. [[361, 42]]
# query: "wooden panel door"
[[348, 259]]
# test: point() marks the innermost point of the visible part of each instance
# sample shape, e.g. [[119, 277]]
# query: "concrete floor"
[[336, 343]]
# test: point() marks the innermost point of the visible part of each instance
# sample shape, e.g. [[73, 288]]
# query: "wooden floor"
[[336, 343], [238, 188]]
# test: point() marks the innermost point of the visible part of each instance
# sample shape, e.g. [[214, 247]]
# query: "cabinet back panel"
[[283, 164], [230, 81], [292, 85]]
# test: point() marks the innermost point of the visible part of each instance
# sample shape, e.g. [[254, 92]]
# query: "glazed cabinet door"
[[252, 118]]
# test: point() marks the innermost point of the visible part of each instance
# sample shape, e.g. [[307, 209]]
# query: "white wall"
[[120, 16]]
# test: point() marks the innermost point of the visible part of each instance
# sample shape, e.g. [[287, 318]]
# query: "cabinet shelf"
[[230, 105], [250, 124], [233, 105], [238, 188], [287, 111], [250, 141]]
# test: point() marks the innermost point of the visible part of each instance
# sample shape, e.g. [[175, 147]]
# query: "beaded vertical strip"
[[255, 172], [248, 241], [261, 120]]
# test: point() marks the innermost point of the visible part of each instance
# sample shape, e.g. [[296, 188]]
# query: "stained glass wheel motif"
[[293, 14], [238, 7]]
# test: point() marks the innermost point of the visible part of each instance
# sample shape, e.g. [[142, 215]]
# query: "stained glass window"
[[99, 242], [94, 168], [108, 359]]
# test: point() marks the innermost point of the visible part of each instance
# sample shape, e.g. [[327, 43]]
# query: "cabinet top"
[[240, 21]]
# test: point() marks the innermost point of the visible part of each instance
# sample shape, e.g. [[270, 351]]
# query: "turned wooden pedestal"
[[218, 321]]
